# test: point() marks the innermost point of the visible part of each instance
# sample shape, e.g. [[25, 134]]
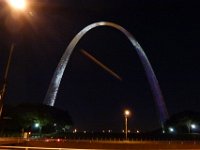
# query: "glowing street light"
[[17, 4], [171, 130], [193, 126], [37, 125], [126, 115]]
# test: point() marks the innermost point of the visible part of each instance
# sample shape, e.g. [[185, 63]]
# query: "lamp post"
[[126, 115], [39, 127], [3, 90], [17, 5], [192, 127]]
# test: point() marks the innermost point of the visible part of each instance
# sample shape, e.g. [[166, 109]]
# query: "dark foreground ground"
[[118, 144], [89, 144]]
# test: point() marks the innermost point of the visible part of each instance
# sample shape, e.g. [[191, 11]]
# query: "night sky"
[[167, 30]]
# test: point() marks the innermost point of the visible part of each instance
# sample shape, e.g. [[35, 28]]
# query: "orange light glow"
[[17, 4]]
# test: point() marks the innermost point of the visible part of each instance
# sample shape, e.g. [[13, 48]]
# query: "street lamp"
[[37, 125], [193, 127], [126, 115], [171, 130], [18, 5]]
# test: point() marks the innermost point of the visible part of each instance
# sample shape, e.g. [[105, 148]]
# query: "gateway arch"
[[155, 88]]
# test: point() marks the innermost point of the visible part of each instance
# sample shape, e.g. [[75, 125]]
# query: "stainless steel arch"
[[55, 82]]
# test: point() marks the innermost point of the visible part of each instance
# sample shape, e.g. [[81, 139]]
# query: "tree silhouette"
[[49, 118]]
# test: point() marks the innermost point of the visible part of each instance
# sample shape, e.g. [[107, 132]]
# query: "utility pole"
[[4, 87]]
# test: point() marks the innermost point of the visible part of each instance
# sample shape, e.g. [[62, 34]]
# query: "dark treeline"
[[35, 118]]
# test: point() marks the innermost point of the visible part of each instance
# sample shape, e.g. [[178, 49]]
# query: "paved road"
[[47, 148], [100, 145], [11, 140]]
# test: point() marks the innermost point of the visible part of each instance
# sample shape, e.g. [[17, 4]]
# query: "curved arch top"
[[55, 82]]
